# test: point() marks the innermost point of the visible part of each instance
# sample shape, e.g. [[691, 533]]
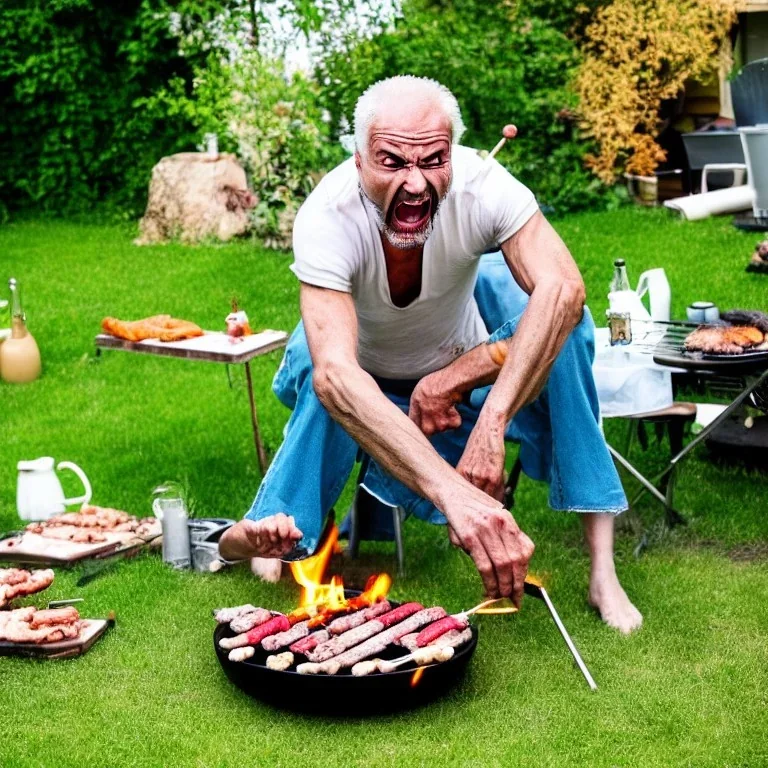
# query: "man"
[[387, 249]]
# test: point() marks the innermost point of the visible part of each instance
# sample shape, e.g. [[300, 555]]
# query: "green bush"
[[274, 124], [71, 72], [503, 66]]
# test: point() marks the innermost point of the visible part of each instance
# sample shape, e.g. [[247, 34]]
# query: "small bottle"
[[620, 281], [19, 354]]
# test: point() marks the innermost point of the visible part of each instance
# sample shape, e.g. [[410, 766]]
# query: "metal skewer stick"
[[415, 658], [536, 591], [481, 606]]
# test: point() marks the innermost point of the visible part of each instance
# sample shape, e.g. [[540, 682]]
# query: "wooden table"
[[212, 347]]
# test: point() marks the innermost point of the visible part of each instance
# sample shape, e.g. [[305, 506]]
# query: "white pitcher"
[[39, 495], [654, 282], [628, 302]]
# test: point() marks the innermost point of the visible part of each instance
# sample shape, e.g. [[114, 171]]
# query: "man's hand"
[[482, 462], [492, 538], [433, 408]]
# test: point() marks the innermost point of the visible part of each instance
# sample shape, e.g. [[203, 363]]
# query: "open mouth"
[[411, 216]]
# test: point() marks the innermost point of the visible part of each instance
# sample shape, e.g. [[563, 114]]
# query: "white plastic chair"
[[739, 171]]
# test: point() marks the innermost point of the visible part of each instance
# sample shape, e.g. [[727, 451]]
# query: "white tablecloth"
[[628, 381]]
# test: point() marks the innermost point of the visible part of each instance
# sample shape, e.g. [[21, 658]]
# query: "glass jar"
[[620, 325]]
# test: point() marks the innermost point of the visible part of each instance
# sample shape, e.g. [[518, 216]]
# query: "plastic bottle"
[[19, 354]]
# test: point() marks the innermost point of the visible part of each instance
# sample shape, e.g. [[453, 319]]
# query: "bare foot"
[[267, 569], [610, 600], [273, 536]]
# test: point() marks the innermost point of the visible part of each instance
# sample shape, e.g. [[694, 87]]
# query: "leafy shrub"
[[70, 74], [636, 54], [272, 123]]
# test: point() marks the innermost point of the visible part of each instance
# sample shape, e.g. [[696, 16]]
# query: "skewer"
[[509, 132], [420, 657], [537, 591], [495, 150], [485, 604]]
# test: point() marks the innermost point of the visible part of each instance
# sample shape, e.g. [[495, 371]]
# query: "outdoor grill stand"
[[752, 367]]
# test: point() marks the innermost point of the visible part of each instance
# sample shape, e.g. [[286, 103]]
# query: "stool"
[[674, 418], [363, 502]]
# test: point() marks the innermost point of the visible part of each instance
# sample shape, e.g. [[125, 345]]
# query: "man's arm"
[[543, 267], [480, 525]]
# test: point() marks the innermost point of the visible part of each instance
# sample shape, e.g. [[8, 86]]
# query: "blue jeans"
[[559, 434]]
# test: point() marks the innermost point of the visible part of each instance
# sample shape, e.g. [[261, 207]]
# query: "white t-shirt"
[[336, 244]]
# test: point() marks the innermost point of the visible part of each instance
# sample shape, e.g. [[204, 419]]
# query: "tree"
[[638, 53]]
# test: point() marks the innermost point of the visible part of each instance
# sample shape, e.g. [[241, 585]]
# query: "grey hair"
[[403, 86]]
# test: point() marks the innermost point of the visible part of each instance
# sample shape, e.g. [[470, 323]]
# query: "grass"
[[689, 689]]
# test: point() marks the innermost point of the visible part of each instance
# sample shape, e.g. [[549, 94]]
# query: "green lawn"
[[690, 689]]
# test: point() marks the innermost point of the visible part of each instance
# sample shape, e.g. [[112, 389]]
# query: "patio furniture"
[[362, 504], [751, 368], [755, 142], [749, 94], [213, 348], [738, 170], [711, 148]]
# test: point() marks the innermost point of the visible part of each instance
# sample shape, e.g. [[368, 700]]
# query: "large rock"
[[193, 196]]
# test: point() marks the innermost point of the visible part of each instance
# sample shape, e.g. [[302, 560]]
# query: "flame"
[[309, 573], [377, 588], [416, 677], [535, 580], [319, 601]]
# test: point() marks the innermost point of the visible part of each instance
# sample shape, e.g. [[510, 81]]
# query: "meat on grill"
[[283, 639], [16, 582], [364, 631], [241, 654], [248, 621], [345, 623], [380, 641], [420, 657], [341, 643], [310, 642], [398, 614], [254, 636], [723, 340], [226, 615], [454, 638], [751, 317], [280, 662], [433, 631]]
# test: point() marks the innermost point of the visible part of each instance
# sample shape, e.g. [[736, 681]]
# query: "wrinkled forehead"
[[410, 127]]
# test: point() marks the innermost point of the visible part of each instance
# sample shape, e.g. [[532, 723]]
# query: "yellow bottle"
[[19, 355]]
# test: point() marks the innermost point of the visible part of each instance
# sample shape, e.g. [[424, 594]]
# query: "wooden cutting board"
[[34, 549], [64, 649]]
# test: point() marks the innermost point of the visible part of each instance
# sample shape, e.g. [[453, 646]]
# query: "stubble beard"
[[400, 240]]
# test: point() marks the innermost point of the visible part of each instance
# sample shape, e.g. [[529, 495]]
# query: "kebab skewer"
[[362, 632], [421, 657], [254, 636], [374, 645]]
